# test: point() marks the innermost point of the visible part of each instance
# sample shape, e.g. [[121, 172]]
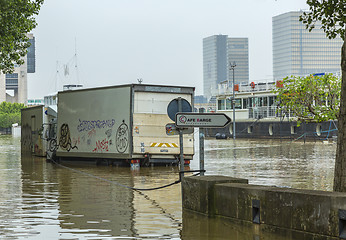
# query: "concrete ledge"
[[312, 212], [198, 192]]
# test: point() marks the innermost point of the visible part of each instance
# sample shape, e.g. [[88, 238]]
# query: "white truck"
[[119, 124]]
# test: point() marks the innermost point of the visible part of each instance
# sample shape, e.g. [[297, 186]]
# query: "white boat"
[[257, 115]]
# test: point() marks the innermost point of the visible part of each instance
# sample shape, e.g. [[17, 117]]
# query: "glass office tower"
[[296, 51], [238, 52], [218, 52]]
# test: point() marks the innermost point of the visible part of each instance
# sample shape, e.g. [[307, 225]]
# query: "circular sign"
[[173, 107]]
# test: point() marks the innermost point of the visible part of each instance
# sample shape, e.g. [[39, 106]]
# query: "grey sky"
[[159, 41]]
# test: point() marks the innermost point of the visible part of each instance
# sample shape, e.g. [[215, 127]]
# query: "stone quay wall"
[[306, 211]]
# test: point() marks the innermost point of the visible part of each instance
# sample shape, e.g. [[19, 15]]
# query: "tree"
[[16, 20], [10, 114], [332, 14], [310, 98]]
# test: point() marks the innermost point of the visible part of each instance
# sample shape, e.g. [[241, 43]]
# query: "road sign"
[[203, 120], [173, 107], [171, 129]]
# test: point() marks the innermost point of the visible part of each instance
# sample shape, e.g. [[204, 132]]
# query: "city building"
[[14, 86], [238, 52], [219, 51], [296, 51], [34, 102]]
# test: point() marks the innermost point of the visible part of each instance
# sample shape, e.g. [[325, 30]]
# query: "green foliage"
[[331, 13], [311, 98], [10, 113], [16, 20]]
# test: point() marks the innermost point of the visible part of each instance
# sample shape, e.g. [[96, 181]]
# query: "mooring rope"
[[138, 190], [125, 186]]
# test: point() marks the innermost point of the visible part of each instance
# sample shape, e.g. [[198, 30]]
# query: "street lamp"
[[231, 67]]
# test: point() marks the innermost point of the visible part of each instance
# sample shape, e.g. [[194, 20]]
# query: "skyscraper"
[[14, 86], [296, 51], [238, 52], [218, 52]]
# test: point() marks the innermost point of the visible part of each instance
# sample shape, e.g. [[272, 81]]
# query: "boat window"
[[250, 102], [245, 103], [272, 100], [228, 104], [254, 102], [237, 104], [221, 104], [260, 102]]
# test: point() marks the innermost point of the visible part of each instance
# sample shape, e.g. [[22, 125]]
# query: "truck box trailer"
[[126, 122], [34, 128]]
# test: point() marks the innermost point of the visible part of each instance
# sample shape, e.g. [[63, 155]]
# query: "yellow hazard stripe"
[[163, 145], [174, 145]]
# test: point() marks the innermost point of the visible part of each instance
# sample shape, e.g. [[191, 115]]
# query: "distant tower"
[[214, 63], [296, 51], [238, 52], [218, 52], [14, 86]]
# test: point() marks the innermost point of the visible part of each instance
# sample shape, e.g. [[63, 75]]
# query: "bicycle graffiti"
[[122, 137]]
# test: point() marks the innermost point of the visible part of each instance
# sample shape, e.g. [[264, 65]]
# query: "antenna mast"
[[75, 59]]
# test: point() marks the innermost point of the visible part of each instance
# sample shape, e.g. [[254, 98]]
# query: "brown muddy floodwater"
[[40, 200]]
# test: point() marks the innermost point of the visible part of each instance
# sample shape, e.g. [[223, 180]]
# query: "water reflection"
[[273, 162], [40, 200], [198, 227]]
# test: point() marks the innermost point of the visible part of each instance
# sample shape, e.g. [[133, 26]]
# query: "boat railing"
[[267, 112], [224, 89]]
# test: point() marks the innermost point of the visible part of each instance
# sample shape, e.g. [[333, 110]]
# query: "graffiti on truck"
[[65, 138], [101, 146], [86, 125], [122, 137]]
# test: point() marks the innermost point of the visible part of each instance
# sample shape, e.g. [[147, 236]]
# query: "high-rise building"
[[238, 52], [218, 52], [296, 51], [31, 58], [14, 86]]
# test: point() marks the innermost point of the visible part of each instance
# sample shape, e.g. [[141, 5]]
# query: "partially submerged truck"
[[34, 128], [118, 124]]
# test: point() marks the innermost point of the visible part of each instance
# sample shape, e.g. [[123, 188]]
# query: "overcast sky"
[[160, 41]]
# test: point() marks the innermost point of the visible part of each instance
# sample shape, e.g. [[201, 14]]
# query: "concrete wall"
[[303, 211]]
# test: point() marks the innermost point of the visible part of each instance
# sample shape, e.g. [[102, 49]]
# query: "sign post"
[[201, 120], [178, 105], [181, 140], [201, 150]]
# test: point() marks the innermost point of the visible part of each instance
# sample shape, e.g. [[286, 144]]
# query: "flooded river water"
[[40, 200]]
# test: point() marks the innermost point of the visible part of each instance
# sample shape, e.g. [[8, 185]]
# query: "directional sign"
[[204, 120], [171, 129]]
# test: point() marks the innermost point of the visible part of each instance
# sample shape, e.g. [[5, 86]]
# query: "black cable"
[[122, 185], [138, 190]]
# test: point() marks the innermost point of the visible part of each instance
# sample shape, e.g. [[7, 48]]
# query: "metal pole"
[[233, 65], [181, 140], [201, 150]]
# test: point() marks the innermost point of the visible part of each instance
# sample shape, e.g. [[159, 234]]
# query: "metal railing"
[[224, 89], [267, 112]]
